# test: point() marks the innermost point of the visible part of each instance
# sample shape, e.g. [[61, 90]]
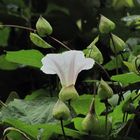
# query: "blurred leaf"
[[25, 57], [15, 136], [4, 35], [54, 7], [32, 112], [127, 78], [85, 100], [6, 65], [13, 95], [38, 41], [78, 123], [131, 66], [36, 94], [111, 65], [48, 130], [19, 3]]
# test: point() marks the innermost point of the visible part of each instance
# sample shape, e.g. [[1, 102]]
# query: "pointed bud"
[[91, 123], [60, 111], [106, 25], [68, 93], [128, 107], [43, 27], [118, 43], [104, 91]]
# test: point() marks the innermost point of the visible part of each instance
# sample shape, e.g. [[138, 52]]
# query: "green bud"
[[91, 123], [116, 42], [60, 111], [106, 25], [104, 91], [128, 107], [68, 93], [43, 27]]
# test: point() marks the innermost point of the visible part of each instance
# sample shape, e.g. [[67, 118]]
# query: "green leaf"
[[48, 130], [38, 41], [15, 136], [78, 123], [37, 94], [111, 65], [25, 57], [4, 35], [32, 112], [127, 78], [131, 66], [6, 65], [30, 130], [85, 100]]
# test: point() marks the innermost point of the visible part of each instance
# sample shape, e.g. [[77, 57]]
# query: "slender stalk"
[[124, 114], [105, 72], [56, 40], [18, 26], [106, 119], [115, 52], [136, 64], [33, 30], [129, 127], [63, 131]]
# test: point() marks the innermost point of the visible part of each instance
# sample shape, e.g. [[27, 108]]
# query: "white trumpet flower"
[[67, 66]]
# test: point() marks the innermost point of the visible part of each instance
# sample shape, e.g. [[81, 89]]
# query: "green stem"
[[106, 118], [115, 52], [63, 131], [33, 30], [18, 26], [129, 127], [124, 114], [105, 72], [62, 44]]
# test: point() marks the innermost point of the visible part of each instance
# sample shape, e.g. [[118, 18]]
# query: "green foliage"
[[25, 57], [38, 41], [36, 111], [127, 78], [6, 65], [72, 25]]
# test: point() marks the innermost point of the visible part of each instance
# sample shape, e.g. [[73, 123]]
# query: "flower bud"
[[106, 25], [104, 91], [68, 93], [116, 44], [91, 123], [43, 27], [128, 107], [60, 111]]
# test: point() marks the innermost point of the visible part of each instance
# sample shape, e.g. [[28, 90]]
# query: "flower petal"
[[66, 65], [53, 64]]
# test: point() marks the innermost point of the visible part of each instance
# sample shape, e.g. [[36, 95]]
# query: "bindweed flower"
[[67, 66]]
